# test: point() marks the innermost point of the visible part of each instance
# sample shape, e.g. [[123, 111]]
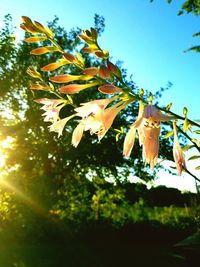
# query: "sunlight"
[[4, 145], [28, 201]]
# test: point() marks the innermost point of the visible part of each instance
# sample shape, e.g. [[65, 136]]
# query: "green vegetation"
[[51, 192]]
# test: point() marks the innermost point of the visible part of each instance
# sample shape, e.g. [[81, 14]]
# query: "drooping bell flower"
[[148, 128], [91, 114], [96, 118], [178, 152]]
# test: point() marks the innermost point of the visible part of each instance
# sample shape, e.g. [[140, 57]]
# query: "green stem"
[[57, 45], [197, 179], [189, 138], [163, 109]]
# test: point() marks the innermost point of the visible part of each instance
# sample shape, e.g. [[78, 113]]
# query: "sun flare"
[[4, 145]]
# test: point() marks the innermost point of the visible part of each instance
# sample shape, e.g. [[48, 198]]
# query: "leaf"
[[186, 125], [168, 107], [180, 13], [35, 39], [194, 48], [197, 168], [173, 167], [94, 33], [43, 50], [197, 131], [185, 111], [117, 137], [196, 141], [185, 148], [196, 34], [194, 157], [109, 89], [141, 92], [121, 130], [168, 134], [150, 97]]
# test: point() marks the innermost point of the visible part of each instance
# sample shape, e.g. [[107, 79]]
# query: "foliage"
[[98, 115], [188, 6], [42, 171], [45, 178]]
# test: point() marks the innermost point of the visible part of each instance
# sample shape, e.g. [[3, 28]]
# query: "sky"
[[148, 37]]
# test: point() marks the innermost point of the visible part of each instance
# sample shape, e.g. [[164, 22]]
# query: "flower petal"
[[129, 142], [77, 134], [109, 89], [76, 88]]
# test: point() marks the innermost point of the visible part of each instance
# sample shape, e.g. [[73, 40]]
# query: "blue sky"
[[148, 37]]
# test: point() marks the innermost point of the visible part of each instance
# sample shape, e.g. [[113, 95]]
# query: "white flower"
[[59, 125], [51, 107], [95, 117]]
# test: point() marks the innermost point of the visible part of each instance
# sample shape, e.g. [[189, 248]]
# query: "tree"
[[40, 165]]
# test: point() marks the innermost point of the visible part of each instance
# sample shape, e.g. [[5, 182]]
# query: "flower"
[[178, 152], [150, 144], [129, 141], [77, 134], [148, 128], [59, 125], [95, 117], [51, 107]]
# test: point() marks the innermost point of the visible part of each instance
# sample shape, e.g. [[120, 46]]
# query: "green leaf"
[[168, 134], [185, 148], [197, 131], [169, 106], [180, 13], [194, 157], [173, 167], [194, 48], [186, 125], [185, 111], [196, 34], [197, 168]]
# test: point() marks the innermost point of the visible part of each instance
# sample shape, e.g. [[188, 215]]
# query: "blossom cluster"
[[97, 116]]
